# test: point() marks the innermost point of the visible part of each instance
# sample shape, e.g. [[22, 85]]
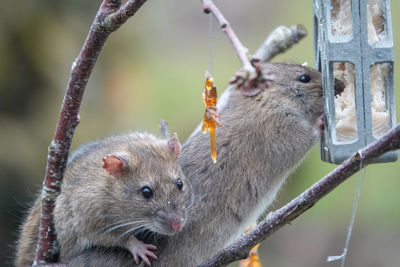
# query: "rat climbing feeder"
[[353, 42]]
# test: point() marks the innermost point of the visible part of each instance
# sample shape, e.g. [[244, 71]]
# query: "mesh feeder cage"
[[353, 42]]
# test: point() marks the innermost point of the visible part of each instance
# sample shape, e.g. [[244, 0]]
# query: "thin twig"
[[109, 17], [280, 40], [241, 51], [275, 220], [119, 17], [250, 75]]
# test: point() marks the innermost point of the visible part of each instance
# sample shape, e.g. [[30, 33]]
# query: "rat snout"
[[339, 87], [176, 222]]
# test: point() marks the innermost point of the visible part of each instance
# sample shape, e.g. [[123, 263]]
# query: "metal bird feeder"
[[353, 42]]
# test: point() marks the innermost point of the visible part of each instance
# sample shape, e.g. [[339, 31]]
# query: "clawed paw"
[[140, 250], [319, 126]]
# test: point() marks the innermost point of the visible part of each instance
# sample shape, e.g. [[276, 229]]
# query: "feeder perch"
[[353, 42]]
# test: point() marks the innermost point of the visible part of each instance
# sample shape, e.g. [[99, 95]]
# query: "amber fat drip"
[[211, 116]]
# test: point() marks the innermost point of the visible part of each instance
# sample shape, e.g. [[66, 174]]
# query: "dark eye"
[[179, 184], [147, 192], [304, 78]]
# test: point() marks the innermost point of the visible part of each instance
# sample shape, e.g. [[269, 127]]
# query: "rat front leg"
[[319, 126], [138, 249]]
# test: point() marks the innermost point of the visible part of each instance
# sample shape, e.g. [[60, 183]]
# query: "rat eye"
[[179, 184], [304, 78], [147, 192]]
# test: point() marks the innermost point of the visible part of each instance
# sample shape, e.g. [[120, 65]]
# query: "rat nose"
[[176, 223]]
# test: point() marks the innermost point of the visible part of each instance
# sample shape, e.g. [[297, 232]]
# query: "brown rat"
[[114, 189], [261, 139]]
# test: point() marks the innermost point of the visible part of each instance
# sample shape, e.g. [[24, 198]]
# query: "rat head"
[[147, 188], [290, 89], [296, 86]]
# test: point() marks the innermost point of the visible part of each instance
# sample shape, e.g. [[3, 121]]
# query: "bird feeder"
[[353, 42]]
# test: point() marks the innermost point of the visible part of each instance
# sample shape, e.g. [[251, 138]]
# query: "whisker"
[[135, 230], [191, 186], [116, 222], [122, 225], [194, 200]]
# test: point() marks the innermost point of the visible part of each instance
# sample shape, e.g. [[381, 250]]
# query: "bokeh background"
[[151, 69]]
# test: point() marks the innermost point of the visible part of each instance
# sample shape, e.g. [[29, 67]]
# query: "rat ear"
[[116, 165], [254, 87], [251, 91], [174, 146]]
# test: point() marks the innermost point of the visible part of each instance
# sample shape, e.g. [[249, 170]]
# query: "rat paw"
[[250, 80], [140, 250], [319, 126]]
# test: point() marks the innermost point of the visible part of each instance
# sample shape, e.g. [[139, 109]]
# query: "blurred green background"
[[152, 68]]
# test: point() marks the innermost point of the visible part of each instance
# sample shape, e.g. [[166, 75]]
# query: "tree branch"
[[250, 78], [241, 51], [250, 75], [109, 17], [275, 220], [279, 40]]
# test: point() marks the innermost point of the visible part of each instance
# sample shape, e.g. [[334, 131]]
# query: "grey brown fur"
[[262, 138], [92, 201]]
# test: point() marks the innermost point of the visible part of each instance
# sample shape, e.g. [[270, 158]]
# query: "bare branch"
[[275, 220], [249, 79], [280, 40], [109, 17], [241, 51], [119, 17], [164, 129]]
